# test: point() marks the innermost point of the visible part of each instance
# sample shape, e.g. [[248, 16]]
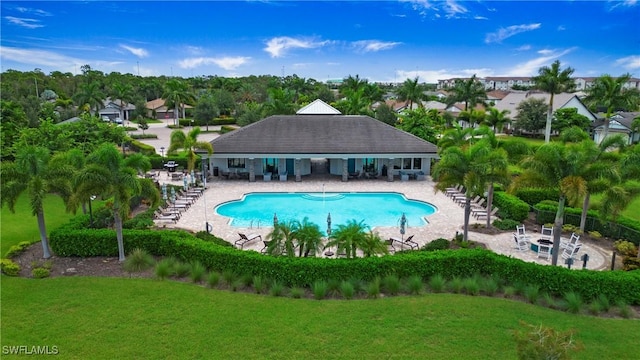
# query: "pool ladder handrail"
[[251, 224]]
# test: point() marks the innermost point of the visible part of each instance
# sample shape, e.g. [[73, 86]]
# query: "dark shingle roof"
[[320, 134]]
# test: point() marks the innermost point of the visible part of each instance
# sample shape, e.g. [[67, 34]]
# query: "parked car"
[[118, 121], [106, 118]]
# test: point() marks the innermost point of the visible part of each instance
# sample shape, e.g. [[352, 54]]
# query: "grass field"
[[22, 226], [107, 318]]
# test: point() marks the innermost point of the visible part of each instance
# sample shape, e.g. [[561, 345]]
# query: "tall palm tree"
[[309, 237], [110, 175], [412, 91], [279, 102], [124, 93], [458, 167], [90, 95], [355, 103], [372, 244], [553, 81], [456, 136], [33, 173], [497, 118], [470, 91], [188, 142], [556, 166], [176, 94], [613, 95]]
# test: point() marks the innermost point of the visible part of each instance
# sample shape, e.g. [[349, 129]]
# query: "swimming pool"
[[376, 209]]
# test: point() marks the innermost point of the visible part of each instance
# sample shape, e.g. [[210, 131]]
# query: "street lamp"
[[162, 154]]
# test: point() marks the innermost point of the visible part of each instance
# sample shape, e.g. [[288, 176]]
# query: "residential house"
[[619, 124], [157, 109], [111, 109]]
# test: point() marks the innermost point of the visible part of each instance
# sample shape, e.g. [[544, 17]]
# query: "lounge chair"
[[522, 243], [479, 214], [283, 176], [408, 242], [572, 242], [245, 239], [266, 176], [265, 247], [389, 243], [169, 217]]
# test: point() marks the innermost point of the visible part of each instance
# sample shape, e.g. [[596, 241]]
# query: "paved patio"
[[448, 219]]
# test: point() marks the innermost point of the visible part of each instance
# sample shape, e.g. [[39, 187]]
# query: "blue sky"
[[376, 40]]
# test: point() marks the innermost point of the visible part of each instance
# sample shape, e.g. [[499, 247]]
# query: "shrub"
[[533, 196], [391, 284], [624, 309], [373, 288], [138, 260], [213, 279], [471, 285], [297, 292], [143, 148], [532, 293], [181, 269], [228, 276], [573, 302], [604, 302], [212, 238], [490, 286], [164, 269], [9, 268], [415, 285], [347, 290], [595, 234], [143, 136], [320, 289], [277, 289], [196, 271], [549, 300], [511, 207], [247, 280], [40, 273], [437, 244], [509, 292], [18, 249], [259, 284], [507, 224], [456, 285], [437, 283]]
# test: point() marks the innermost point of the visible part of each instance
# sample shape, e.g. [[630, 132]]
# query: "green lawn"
[[632, 211], [107, 318], [22, 226]]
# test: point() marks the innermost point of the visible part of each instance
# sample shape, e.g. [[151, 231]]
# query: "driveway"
[[164, 135]]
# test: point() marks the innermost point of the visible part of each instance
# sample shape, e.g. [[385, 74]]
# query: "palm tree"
[[553, 81], [282, 239], [190, 144], [124, 93], [457, 136], [90, 95], [33, 173], [309, 237], [458, 167], [110, 175], [470, 91], [348, 237], [412, 91], [497, 118], [372, 244], [613, 95], [280, 102], [176, 94], [556, 166], [355, 103]]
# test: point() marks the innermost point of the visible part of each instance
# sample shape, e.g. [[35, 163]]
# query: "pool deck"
[[448, 219]]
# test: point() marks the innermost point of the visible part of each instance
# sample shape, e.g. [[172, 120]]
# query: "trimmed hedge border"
[[510, 206], [533, 196], [618, 285]]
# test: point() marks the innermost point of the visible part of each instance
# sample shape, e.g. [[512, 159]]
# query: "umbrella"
[[185, 185], [275, 220], [329, 224], [403, 224], [164, 192], [193, 178], [173, 195]]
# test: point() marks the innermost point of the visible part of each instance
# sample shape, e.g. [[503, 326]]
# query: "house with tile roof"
[[157, 109], [349, 146]]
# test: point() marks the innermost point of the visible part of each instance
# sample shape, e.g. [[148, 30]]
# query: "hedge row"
[[510, 206], [142, 148], [624, 227], [533, 196], [214, 122], [157, 161], [66, 241]]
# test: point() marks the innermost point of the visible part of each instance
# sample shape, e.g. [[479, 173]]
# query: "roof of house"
[[623, 118], [320, 134], [318, 107], [514, 98], [159, 103]]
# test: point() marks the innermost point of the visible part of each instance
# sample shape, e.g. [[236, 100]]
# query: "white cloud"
[[227, 63], [193, 50], [626, 3], [373, 45], [139, 52], [27, 23], [509, 31], [561, 28], [33, 11], [530, 68], [451, 8], [629, 62], [432, 76], [38, 58], [278, 46], [524, 48]]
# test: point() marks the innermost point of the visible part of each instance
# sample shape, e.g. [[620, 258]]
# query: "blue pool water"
[[376, 209]]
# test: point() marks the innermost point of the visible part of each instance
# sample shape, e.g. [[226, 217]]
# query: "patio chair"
[[571, 251], [480, 214], [265, 247], [521, 232], [161, 217], [522, 244], [283, 176], [390, 247], [572, 241], [546, 233], [451, 191], [245, 239], [544, 250], [478, 204], [266, 176]]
